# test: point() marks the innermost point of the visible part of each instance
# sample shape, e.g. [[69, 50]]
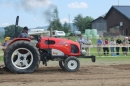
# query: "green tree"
[[1, 35], [82, 23], [87, 22], [10, 31], [78, 22], [66, 27], [55, 23]]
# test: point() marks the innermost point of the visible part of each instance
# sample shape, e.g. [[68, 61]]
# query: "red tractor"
[[22, 56]]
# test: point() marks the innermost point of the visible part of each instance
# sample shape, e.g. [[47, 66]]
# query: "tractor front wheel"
[[72, 64]]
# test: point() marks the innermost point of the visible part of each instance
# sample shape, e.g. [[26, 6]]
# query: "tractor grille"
[[74, 48]]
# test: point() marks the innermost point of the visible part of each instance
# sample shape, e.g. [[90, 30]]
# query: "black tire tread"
[[15, 45], [61, 62]]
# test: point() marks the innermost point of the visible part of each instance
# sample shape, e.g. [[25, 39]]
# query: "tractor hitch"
[[93, 58]]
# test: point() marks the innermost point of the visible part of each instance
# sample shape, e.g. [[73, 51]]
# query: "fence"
[[92, 48], [93, 51]]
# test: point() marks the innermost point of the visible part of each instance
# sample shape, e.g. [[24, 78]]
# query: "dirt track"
[[91, 75]]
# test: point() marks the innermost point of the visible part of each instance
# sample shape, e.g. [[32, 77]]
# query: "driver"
[[24, 33]]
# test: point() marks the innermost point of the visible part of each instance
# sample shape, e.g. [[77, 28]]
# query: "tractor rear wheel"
[[22, 57], [72, 64], [61, 64]]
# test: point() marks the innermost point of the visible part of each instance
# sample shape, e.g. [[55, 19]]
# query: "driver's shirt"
[[24, 35]]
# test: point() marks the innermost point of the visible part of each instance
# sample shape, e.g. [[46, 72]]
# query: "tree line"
[[79, 21]]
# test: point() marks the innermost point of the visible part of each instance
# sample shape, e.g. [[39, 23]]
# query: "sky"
[[36, 13]]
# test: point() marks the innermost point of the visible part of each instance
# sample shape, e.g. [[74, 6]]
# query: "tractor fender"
[[19, 39]]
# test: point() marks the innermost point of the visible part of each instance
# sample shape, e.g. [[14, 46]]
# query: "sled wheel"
[[93, 59], [22, 57], [72, 64], [61, 64]]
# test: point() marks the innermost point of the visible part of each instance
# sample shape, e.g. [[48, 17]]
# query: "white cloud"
[[78, 5], [36, 3], [7, 5], [35, 19], [5, 24], [65, 20]]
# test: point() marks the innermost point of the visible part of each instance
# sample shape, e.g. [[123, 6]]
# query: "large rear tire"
[[61, 64], [22, 57], [72, 64]]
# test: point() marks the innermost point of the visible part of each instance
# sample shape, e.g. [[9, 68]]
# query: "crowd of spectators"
[[109, 47]]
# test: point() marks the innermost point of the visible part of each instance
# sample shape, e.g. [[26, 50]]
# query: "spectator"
[[81, 41], [5, 44], [129, 42], [99, 46], [24, 33], [88, 42], [112, 43], [106, 49], [125, 43], [118, 42]]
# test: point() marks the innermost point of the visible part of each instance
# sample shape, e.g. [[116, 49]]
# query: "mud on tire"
[[22, 57]]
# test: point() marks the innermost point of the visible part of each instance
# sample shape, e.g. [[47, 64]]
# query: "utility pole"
[[51, 29], [118, 2], [69, 21]]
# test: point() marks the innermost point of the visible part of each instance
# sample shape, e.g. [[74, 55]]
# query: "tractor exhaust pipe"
[[16, 27]]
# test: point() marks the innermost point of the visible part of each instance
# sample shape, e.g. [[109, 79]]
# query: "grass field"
[[1, 41], [100, 60], [106, 61], [1, 58]]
